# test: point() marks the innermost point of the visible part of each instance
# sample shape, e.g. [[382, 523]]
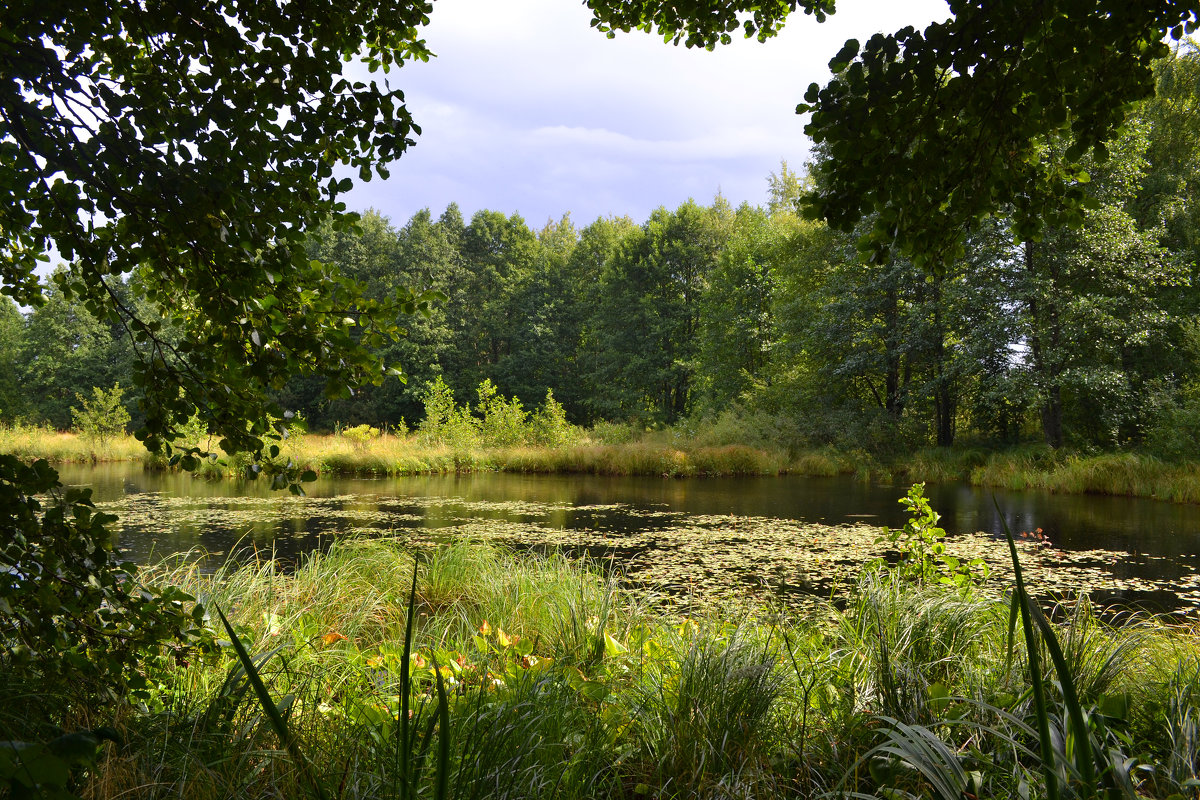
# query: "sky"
[[527, 109]]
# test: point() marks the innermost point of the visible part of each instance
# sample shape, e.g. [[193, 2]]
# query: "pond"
[[787, 537]]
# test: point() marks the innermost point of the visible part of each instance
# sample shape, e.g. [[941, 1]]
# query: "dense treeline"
[[767, 323]]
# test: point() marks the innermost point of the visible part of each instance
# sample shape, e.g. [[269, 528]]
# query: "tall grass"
[[34, 441], [522, 676], [626, 451], [1129, 474]]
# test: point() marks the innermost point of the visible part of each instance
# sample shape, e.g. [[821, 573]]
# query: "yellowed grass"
[[29, 442]]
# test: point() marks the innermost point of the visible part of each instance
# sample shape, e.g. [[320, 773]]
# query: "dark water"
[[163, 514]]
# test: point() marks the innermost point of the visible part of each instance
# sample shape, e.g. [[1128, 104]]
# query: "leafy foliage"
[[361, 435], [933, 130], [202, 142], [74, 619], [499, 421], [701, 23], [923, 556], [103, 416]]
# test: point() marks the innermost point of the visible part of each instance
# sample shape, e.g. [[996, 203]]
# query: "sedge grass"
[[1128, 474], [31, 442], [559, 683], [661, 454]]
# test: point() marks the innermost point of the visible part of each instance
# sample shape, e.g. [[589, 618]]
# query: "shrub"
[[550, 426], [74, 619], [504, 421], [103, 416], [923, 556], [606, 432], [360, 435], [445, 423]]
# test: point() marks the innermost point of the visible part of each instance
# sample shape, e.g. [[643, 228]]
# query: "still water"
[[705, 530]]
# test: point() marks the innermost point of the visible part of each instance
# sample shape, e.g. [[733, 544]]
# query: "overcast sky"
[[527, 109]]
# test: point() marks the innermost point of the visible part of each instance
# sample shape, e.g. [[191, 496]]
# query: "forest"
[[995, 243], [1085, 337]]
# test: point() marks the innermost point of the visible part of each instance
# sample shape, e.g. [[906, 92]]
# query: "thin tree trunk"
[[1046, 374]]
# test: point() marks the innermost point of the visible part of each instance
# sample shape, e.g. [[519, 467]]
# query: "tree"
[[590, 259], [549, 307], [12, 339], [646, 318], [66, 349], [201, 140], [194, 143], [737, 324], [101, 416], [1097, 301], [932, 130], [498, 254]]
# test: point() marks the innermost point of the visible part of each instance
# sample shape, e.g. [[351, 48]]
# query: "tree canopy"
[[200, 141], [932, 130]]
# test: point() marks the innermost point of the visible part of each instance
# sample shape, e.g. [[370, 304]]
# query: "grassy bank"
[[1126, 474], [407, 455], [30, 442], [558, 683], [391, 455], [668, 455]]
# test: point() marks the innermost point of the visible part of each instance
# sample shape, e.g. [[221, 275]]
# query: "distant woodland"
[[1085, 337]]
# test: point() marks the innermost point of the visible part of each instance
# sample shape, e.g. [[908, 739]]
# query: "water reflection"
[[165, 513]]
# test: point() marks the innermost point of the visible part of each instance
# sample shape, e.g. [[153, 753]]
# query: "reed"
[[669, 453], [1128, 474]]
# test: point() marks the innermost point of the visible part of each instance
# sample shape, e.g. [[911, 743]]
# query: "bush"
[[1174, 431], [504, 421], [921, 543], [445, 423], [103, 416], [360, 435], [550, 426], [606, 432]]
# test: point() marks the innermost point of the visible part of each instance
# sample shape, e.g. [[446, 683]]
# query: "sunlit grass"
[[563, 684], [664, 453], [35, 441], [1129, 474]]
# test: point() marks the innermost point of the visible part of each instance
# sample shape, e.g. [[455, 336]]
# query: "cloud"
[[528, 109]]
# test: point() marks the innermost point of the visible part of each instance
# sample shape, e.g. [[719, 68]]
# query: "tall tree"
[[12, 344], [200, 139], [647, 316], [67, 351], [548, 309], [932, 130], [738, 329], [1098, 300], [498, 253]]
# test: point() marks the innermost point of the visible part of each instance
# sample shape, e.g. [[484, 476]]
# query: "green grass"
[[559, 683], [669, 454], [1129, 474]]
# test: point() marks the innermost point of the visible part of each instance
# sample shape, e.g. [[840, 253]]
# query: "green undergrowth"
[[527, 676]]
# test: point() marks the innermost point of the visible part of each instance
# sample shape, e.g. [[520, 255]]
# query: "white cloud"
[[528, 109]]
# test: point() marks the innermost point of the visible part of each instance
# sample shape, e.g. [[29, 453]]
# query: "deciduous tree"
[[201, 140]]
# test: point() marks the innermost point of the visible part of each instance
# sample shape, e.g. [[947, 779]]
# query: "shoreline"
[[1125, 474]]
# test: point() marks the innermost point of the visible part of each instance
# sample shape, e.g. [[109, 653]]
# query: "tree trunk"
[[1046, 374], [943, 393], [892, 398]]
